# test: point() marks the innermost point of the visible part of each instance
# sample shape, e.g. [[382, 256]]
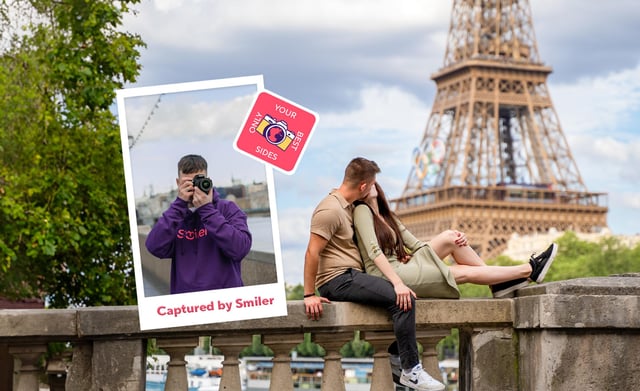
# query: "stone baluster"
[[28, 372], [79, 375], [281, 344], [231, 347], [429, 340], [381, 379], [56, 371], [333, 375], [177, 348]]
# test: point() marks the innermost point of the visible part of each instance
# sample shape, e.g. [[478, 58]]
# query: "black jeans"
[[359, 287]]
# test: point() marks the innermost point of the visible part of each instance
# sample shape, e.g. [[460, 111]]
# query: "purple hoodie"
[[206, 246]]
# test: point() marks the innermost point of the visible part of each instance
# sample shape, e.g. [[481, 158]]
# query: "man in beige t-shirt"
[[332, 265]]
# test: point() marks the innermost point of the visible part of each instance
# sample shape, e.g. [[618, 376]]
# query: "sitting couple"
[[419, 265], [390, 268]]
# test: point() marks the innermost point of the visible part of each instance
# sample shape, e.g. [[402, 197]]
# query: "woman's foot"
[[504, 289], [540, 264]]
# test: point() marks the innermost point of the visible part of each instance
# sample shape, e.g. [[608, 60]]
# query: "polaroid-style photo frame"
[[159, 125]]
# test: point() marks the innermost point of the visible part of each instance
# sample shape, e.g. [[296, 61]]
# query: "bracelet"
[[309, 295]]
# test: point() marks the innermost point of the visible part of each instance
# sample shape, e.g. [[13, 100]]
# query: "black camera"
[[203, 183]]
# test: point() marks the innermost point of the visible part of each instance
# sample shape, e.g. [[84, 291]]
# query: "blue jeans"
[[359, 287]]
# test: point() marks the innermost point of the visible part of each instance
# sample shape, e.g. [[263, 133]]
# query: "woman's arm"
[[410, 242], [365, 233]]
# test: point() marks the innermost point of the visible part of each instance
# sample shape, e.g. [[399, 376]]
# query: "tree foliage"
[[577, 258], [64, 230], [257, 348], [294, 292]]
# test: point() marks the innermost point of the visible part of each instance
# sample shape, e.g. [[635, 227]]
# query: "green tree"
[[307, 348], [257, 348], [295, 292], [64, 230], [357, 348], [577, 258]]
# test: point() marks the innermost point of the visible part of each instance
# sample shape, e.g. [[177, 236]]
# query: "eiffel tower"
[[493, 160]]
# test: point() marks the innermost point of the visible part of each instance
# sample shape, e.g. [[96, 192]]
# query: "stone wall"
[[581, 334]]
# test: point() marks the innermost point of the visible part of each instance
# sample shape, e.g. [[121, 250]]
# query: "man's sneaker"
[[540, 264], [396, 367], [504, 289], [418, 379]]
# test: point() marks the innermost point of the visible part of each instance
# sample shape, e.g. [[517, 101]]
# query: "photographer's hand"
[[185, 189], [200, 197]]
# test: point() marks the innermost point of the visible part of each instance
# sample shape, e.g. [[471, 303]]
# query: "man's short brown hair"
[[360, 170], [191, 163]]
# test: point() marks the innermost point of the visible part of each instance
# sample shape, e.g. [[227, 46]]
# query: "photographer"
[[206, 237]]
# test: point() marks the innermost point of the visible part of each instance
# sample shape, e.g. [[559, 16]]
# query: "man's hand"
[[403, 296], [313, 306], [185, 189], [200, 197]]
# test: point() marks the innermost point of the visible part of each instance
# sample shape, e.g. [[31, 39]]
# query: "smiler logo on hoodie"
[[192, 234]]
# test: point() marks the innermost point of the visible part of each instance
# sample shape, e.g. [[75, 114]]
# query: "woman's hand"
[[461, 239], [403, 296]]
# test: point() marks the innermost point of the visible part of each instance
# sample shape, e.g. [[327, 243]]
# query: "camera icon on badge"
[[275, 132]]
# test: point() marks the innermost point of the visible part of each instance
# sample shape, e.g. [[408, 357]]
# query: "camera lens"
[[205, 185]]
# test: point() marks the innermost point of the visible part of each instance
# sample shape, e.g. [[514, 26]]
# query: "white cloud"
[[381, 107], [602, 149], [364, 15], [217, 24], [599, 117], [631, 200], [599, 104]]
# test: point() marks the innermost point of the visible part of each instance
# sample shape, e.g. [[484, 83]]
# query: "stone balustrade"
[[582, 333]]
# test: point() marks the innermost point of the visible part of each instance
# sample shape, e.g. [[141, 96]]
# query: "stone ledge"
[[597, 302], [577, 312], [59, 324], [122, 322], [620, 285]]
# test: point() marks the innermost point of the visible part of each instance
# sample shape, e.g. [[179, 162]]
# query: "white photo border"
[[205, 307]]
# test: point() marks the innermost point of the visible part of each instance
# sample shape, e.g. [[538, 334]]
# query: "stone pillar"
[[177, 348], [429, 341], [333, 375], [382, 379], [488, 360], [79, 376], [119, 365], [231, 348], [580, 334], [27, 376], [281, 344]]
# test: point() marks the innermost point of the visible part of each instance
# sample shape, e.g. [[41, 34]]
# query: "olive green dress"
[[425, 273]]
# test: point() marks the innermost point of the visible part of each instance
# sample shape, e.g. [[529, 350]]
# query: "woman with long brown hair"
[[383, 240]]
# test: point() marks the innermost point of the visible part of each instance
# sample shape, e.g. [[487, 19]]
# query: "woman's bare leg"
[[489, 275], [444, 244], [469, 267]]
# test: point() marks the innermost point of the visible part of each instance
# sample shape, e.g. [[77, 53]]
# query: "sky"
[[364, 67]]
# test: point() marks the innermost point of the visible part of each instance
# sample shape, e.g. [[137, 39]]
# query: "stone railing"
[[582, 334]]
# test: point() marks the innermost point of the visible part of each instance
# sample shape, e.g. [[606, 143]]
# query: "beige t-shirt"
[[332, 220]]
